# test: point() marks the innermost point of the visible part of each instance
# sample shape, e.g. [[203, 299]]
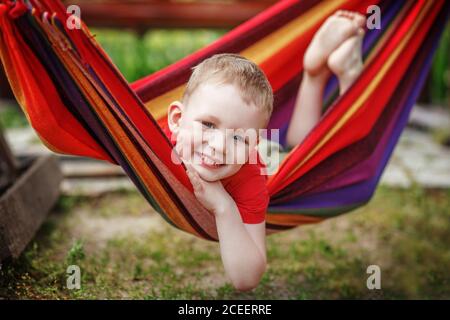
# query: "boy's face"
[[216, 131]]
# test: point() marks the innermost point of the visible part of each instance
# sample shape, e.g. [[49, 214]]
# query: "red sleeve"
[[249, 191]]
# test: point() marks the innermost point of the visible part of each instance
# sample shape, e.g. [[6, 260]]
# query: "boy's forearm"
[[243, 260]]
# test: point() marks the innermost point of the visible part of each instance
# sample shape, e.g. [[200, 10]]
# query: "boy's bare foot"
[[346, 61], [336, 29]]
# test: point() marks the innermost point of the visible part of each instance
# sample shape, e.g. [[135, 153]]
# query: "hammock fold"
[[80, 104]]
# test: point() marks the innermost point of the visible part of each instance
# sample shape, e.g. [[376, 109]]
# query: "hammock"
[[80, 104]]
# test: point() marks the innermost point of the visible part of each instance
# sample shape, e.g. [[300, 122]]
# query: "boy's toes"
[[360, 32], [347, 57], [359, 20], [343, 13], [339, 13], [336, 29]]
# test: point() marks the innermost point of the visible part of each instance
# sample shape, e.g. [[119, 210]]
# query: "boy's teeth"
[[209, 161]]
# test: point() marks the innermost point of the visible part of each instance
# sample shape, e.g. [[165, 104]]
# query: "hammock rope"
[[80, 104]]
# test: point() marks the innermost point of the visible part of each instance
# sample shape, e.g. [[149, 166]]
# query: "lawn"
[[127, 251]]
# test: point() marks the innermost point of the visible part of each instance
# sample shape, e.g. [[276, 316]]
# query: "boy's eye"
[[207, 124], [238, 138]]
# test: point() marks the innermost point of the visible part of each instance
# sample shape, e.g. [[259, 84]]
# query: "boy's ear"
[[174, 115]]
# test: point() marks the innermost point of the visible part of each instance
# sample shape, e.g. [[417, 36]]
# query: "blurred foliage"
[[11, 116], [137, 56], [439, 80]]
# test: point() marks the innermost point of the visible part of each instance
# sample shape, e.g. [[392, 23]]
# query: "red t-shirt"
[[248, 189]]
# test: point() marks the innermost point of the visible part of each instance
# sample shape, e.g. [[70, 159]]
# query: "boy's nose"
[[217, 141]]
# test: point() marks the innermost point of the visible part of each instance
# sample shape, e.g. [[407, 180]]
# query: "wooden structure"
[[28, 190]]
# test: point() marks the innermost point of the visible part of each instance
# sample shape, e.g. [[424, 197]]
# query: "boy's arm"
[[242, 246]]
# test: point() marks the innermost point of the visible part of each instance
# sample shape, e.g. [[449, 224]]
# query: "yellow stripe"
[[290, 220], [158, 106]]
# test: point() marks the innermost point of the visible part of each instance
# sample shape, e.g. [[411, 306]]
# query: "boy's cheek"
[[183, 148], [193, 136], [237, 156]]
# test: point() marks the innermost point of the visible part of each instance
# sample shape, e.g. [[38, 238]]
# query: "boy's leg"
[[307, 109], [346, 61], [331, 35]]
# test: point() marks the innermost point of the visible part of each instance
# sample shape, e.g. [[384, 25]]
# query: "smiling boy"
[[227, 96], [215, 130]]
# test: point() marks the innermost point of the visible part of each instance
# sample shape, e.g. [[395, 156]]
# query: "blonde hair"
[[233, 69]]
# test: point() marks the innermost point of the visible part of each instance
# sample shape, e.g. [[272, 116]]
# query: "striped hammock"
[[80, 104]]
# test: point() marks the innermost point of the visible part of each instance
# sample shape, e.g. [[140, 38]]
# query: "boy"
[[215, 129]]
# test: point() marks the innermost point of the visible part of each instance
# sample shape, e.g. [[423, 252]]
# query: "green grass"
[[405, 232]]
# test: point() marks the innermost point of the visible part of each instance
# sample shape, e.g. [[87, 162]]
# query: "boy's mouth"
[[208, 162]]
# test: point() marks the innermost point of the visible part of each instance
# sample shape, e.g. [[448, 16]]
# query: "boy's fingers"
[[192, 170], [197, 185], [189, 167], [194, 178]]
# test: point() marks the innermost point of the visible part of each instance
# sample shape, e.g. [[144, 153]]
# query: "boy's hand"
[[212, 195]]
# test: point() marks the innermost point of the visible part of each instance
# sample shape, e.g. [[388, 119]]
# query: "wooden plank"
[[89, 168], [24, 206], [95, 187]]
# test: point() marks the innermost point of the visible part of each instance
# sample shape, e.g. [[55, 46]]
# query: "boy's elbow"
[[251, 282], [245, 286]]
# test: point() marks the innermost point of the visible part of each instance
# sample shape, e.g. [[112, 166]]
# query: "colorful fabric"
[[79, 103]]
